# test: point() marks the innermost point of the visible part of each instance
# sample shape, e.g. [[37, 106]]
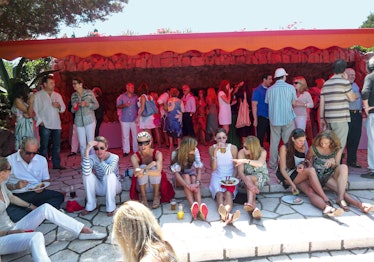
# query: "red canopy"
[[180, 43]]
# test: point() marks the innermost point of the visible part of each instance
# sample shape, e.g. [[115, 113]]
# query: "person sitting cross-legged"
[[29, 169], [100, 175]]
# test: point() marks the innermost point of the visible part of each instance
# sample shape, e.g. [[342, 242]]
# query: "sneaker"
[[369, 175], [194, 209], [203, 211], [94, 235]]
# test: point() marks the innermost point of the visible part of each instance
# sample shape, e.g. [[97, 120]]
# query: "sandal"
[[366, 207], [248, 207], [144, 201], [203, 211], [343, 205], [222, 212], [156, 202], [110, 214], [235, 216], [194, 209], [256, 214], [332, 212]]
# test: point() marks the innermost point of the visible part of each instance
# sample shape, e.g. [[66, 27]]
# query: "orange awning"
[[180, 43]]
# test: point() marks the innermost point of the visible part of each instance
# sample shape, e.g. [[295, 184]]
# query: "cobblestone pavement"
[[286, 232]]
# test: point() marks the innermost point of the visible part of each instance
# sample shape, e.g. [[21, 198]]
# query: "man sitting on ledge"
[[29, 169]]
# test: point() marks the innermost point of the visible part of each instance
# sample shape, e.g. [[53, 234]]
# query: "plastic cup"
[[173, 205]]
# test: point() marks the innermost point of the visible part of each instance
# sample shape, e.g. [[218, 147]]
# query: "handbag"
[[150, 107], [243, 113]]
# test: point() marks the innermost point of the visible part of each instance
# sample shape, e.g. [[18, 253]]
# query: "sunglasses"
[[146, 143], [296, 83], [30, 153], [222, 137], [97, 148]]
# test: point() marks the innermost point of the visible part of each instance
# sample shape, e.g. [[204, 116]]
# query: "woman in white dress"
[[221, 156], [146, 123], [224, 100]]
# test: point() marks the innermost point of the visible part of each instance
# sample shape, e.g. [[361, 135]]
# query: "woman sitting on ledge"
[[325, 154], [253, 172], [294, 171]]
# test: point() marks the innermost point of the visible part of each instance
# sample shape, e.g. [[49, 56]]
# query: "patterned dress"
[[24, 126], [261, 173], [174, 117], [319, 160]]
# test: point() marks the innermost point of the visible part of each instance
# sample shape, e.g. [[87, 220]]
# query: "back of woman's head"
[[222, 86], [174, 92], [137, 232], [19, 90], [252, 144]]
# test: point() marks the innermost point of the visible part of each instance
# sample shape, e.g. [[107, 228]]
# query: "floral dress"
[[261, 173], [319, 160], [174, 117], [24, 126]]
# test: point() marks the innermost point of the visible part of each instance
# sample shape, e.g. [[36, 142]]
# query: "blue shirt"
[[259, 95], [280, 97], [357, 104], [129, 113]]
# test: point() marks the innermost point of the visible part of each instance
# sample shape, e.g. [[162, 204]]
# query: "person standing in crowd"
[[303, 103], [189, 103], [221, 156], [243, 95], [84, 104], [367, 96], [212, 113], [100, 175], [334, 104], [28, 167], [100, 111], [200, 118], [22, 107], [128, 104], [324, 155], [138, 234], [281, 98], [315, 92], [74, 134], [224, 102], [253, 171], [174, 117], [48, 105], [146, 123], [186, 166], [162, 101], [295, 172], [355, 126], [260, 110]]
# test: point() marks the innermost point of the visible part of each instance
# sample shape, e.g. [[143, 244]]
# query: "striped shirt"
[[336, 106], [280, 97], [100, 168]]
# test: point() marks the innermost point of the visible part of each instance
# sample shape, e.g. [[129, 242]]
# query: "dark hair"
[[222, 86], [370, 64], [290, 147], [221, 130], [46, 77], [4, 164], [78, 79], [265, 76], [339, 66], [19, 90]]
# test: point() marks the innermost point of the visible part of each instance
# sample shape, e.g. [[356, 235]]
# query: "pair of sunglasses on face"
[[146, 143], [29, 153], [99, 147]]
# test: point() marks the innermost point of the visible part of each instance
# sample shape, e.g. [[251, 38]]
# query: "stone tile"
[[64, 255], [56, 247], [101, 253], [81, 246]]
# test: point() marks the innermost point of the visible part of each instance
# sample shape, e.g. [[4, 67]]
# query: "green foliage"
[[369, 23], [20, 19]]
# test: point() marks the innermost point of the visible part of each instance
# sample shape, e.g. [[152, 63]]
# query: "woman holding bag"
[[145, 113], [243, 122]]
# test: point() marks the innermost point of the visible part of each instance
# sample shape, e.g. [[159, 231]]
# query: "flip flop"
[[235, 216], [194, 209], [156, 202], [222, 212], [203, 211], [366, 208], [332, 212], [248, 207], [343, 205], [256, 214]]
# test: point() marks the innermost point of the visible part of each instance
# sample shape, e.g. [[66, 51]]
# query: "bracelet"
[[29, 206], [198, 182], [214, 158]]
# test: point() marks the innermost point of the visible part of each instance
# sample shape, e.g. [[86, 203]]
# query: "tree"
[[20, 19], [369, 23]]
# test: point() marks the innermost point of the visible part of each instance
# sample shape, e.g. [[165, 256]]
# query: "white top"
[[45, 112], [163, 99], [305, 98], [34, 172]]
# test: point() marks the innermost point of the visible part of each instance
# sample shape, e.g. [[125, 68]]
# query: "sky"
[[143, 17]]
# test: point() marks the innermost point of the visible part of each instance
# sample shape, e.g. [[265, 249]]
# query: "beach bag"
[[150, 107], [243, 113]]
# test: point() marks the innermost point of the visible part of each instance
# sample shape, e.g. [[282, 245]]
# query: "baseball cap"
[[280, 72]]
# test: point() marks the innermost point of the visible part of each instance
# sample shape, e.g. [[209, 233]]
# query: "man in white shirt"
[[48, 105], [29, 170], [189, 102]]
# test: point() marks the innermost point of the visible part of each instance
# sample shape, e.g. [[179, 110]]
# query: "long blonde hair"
[[253, 145], [183, 156], [138, 233]]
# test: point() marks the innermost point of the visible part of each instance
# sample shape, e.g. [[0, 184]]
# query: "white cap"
[[280, 72]]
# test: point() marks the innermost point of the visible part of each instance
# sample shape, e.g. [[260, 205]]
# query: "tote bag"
[[243, 113], [150, 107]]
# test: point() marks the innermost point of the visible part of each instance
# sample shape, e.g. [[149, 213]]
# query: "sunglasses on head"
[[99, 147], [30, 153], [146, 143]]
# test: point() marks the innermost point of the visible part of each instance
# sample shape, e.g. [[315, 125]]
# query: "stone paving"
[[284, 229]]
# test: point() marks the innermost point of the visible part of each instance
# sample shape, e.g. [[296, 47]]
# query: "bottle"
[[180, 213]]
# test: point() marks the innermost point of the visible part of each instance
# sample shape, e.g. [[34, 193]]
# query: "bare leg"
[[228, 201], [143, 196], [156, 195], [314, 198], [334, 185], [187, 191]]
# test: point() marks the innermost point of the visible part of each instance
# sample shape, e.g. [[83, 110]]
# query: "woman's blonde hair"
[[138, 234], [253, 145], [303, 83], [102, 140], [183, 156]]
